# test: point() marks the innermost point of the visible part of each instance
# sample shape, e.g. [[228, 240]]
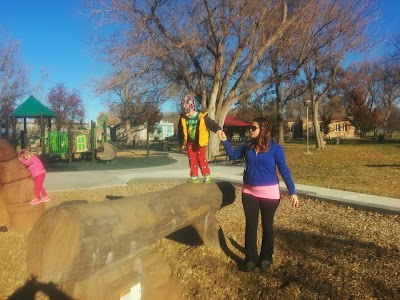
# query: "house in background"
[[338, 128], [165, 130], [162, 131]]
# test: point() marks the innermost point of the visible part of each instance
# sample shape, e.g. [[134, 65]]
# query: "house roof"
[[231, 121], [33, 108]]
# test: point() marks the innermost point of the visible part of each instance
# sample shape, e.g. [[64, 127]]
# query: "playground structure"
[[16, 190], [67, 144], [102, 250], [58, 144], [85, 142]]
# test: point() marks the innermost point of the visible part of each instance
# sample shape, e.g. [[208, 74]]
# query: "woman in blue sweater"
[[261, 191]]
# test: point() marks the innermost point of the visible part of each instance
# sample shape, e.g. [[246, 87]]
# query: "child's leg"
[[43, 192], [39, 189], [202, 160], [194, 168]]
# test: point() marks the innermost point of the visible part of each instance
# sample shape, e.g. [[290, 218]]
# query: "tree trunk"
[[213, 145], [147, 139], [128, 132], [214, 142], [281, 134], [319, 138]]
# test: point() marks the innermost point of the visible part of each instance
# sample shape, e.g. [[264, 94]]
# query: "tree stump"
[[16, 190], [4, 218]]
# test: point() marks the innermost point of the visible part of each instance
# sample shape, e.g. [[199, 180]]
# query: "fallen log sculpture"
[[101, 250], [16, 190]]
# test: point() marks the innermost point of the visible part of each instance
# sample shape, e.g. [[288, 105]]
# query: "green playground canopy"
[[33, 108]]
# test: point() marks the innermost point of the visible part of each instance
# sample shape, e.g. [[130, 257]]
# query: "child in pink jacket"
[[38, 172]]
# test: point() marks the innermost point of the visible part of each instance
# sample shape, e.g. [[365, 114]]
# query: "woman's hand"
[[295, 200], [221, 135]]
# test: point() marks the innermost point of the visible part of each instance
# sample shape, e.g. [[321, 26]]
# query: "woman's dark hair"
[[263, 138]]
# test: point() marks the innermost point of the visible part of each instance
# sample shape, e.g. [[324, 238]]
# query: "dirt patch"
[[322, 251]]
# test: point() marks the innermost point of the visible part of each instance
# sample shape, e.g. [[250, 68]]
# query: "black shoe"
[[249, 266], [265, 264]]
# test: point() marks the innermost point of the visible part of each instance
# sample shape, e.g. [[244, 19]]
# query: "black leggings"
[[252, 205]]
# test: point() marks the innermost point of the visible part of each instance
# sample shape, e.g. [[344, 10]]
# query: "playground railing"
[[57, 143]]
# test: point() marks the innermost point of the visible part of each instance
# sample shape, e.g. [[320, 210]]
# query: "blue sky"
[[54, 38]]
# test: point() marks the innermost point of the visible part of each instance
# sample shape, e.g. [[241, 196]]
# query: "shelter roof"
[[33, 108], [231, 121]]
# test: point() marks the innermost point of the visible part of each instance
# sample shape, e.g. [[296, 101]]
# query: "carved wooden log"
[[24, 215], [73, 243], [13, 171], [17, 184], [16, 190], [146, 270], [7, 151], [4, 218]]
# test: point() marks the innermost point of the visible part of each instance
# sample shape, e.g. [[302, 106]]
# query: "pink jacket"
[[34, 165]]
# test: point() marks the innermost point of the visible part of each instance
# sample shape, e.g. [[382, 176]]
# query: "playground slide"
[[108, 153]]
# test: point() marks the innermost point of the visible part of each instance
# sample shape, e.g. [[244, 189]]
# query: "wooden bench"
[[227, 160]]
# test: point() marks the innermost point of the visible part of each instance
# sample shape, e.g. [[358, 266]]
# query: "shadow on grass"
[[189, 236], [31, 287], [118, 163], [325, 267], [396, 166], [186, 236], [320, 259]]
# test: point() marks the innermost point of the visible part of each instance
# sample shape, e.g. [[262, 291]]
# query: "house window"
[[337, 127], [344, 127]]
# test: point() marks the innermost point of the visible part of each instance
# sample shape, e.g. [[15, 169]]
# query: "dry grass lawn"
[[370, 168], [322, 251]]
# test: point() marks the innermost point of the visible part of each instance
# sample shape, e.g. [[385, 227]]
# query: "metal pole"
[[307, 130]]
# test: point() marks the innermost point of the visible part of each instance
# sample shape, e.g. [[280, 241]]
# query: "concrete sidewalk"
[[179, 172]]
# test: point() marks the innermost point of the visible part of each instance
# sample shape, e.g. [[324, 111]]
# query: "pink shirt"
[[34, 165], [267, 191]]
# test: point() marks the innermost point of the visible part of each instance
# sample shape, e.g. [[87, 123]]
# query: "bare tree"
[[343, 29], [121, 91], [361, 113], [286, 85], [13, 78], [215, 49], [67, 104], [131, 96], [395, 53], [389, 89], [378, 79], [393, 122]]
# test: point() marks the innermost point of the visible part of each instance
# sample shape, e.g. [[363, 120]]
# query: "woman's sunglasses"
[[253, 128]]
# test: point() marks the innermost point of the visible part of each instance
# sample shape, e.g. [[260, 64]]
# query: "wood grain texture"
[[72, 242], [16, 190]]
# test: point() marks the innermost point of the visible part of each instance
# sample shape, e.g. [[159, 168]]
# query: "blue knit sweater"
[[261, 167]]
